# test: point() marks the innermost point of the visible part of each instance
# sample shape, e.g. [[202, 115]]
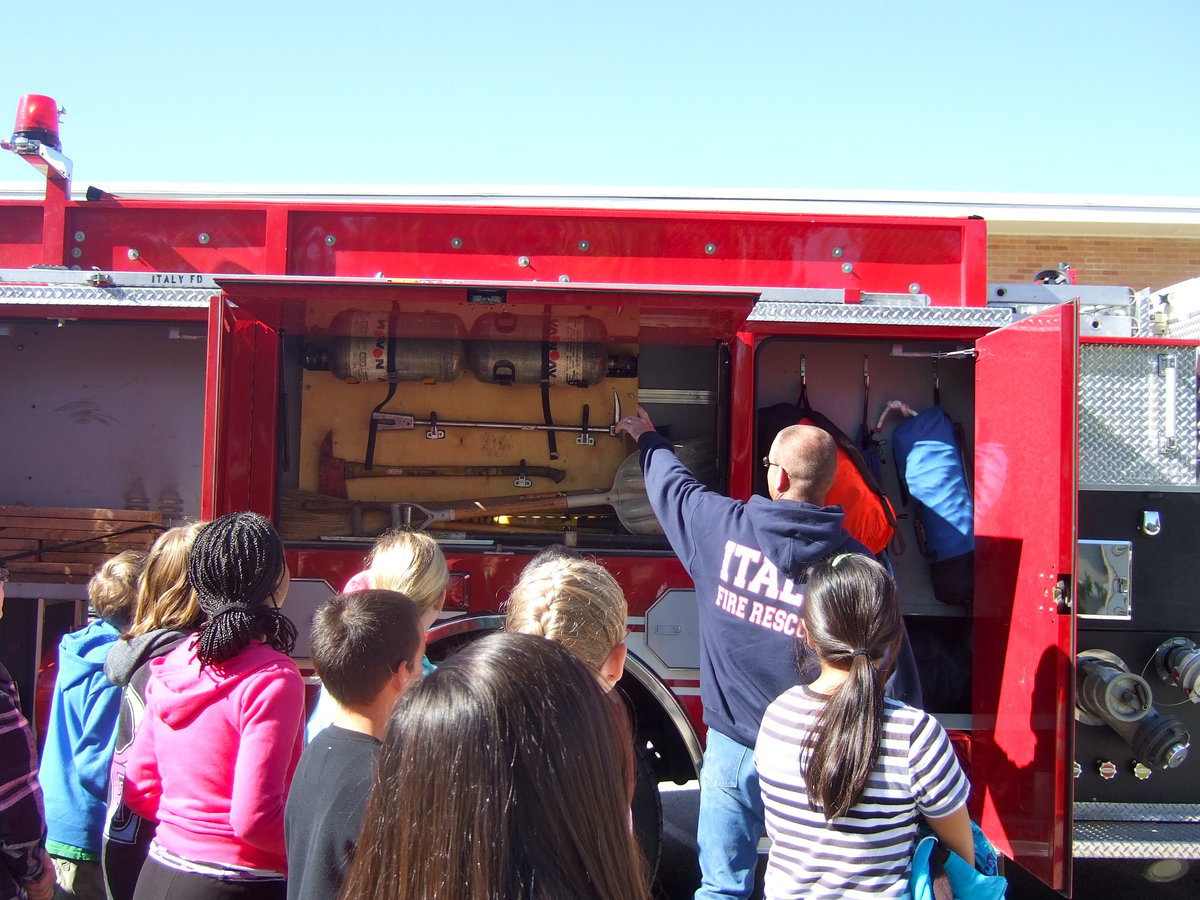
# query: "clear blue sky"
[[1052, 97]]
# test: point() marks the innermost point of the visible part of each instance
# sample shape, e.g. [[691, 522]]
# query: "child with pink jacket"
[[224, 727]]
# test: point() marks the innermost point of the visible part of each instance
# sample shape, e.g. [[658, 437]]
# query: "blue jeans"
[[731, 819]]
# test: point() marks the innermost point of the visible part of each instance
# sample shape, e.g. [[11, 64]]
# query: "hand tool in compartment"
[[627, 497], [434, 425], [332, 471]]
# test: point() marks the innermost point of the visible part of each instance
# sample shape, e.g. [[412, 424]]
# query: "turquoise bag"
[[938, 873]]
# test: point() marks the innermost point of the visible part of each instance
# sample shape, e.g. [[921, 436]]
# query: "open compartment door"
[[241, 410], [1025, 484]]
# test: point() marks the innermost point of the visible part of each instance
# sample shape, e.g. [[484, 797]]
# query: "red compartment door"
[[1025, 484]]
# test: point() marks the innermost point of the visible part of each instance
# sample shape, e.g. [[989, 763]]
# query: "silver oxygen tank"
[[509, 349], [383, 346]]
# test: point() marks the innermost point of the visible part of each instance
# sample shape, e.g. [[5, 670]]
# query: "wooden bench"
[[67, 545]]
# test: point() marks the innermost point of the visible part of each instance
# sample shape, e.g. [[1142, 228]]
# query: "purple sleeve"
[[22, 816]]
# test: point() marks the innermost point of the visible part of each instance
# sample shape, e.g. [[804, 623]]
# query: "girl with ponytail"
[[847, 772], [223, 727]]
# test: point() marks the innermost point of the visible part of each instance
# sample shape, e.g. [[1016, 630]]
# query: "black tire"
[[647, 809]]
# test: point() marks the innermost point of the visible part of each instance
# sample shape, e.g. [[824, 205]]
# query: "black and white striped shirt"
[[867, 852], [22, 816]]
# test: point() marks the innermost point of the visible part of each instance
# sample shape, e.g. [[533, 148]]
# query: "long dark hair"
[[504, 774], [853, 621], [235, 566]]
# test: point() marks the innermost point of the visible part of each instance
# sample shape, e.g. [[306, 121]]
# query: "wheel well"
[[660, 722]]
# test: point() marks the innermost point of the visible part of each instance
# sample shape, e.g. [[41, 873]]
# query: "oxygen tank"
[[382, 346], [509, 349]]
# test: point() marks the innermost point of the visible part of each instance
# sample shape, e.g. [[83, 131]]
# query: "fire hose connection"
[[1107, 693], [1178, 664]]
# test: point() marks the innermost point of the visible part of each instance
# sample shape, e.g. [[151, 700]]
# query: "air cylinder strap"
[[547, 415], [373, 425]]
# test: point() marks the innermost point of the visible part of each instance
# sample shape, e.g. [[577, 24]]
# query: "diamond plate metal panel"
[[1187, 329], [1093, 810], [20, 295], [1136, 840], [1145, 305], [1134, 431], [848, 313]]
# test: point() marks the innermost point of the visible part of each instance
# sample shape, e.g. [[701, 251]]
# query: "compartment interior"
[[841, 375], [466, 379]]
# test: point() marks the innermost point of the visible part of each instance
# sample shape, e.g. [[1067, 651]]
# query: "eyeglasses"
[[767, 462]]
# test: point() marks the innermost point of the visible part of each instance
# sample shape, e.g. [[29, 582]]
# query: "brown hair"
[[164, 597], [505, 773], [112, 591], [853, 620], [572, 600], [360, 639]]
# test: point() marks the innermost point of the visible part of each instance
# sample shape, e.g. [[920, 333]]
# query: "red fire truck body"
[[372, 333]]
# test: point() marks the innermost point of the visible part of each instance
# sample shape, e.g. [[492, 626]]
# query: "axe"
[[332, 471]]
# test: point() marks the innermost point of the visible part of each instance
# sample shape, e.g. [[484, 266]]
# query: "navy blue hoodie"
[[747, 560]]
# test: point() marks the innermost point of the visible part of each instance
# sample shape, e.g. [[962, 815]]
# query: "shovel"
[[627, 497]]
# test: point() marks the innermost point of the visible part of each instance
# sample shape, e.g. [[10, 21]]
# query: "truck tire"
[[647, 809]]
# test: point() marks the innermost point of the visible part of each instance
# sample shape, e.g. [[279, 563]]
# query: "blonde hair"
[[164, 597], [571, 600], [412, 563], [112, 589]]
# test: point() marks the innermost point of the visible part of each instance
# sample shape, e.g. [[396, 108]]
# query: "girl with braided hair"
[[846, 772], [575, 602], [223, 727]]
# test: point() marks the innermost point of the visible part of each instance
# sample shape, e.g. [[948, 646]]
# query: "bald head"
[[808, 457]]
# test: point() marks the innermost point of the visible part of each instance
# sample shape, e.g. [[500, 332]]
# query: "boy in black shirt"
[[366, 649]]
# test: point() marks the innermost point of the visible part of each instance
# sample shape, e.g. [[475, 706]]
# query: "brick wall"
[[1153, 262]]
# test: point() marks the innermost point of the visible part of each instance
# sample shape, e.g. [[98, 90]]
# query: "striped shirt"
[[867, 852], [22, 821]]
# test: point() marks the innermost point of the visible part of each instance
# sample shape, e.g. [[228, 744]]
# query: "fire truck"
[[347, 364]]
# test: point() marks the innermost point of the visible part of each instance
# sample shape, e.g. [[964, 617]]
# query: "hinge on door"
[[1062, 595]]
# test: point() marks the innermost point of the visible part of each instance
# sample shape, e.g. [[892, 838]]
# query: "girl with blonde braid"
[[577, 603]]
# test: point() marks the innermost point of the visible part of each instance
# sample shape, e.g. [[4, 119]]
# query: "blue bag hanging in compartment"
[[929, 463]]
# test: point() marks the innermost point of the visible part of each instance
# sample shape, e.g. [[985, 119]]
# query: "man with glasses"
[[748, 561]]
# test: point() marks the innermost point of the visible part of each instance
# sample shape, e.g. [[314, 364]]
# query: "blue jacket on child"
[[79, 742]]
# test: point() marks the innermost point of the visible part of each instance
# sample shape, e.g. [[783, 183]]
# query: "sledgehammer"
[[332, 471]]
